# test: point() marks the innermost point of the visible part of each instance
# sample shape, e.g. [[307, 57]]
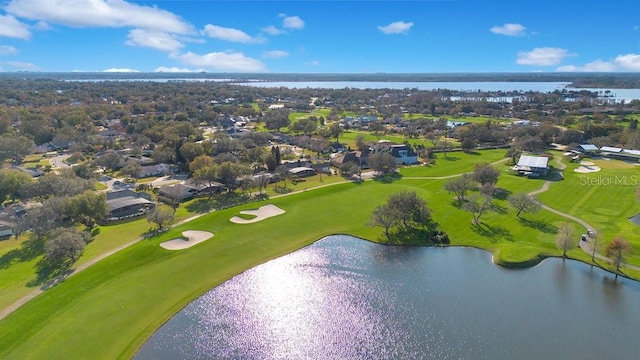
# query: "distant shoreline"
[[576, 80]]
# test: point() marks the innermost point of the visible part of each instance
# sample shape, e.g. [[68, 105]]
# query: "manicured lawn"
[[605, 199], [111, 308], [349, 138], [456, 162]]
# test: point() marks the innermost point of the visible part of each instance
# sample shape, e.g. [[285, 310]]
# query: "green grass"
[[349, 138], [605, 200], [111, 308], [457, 162]]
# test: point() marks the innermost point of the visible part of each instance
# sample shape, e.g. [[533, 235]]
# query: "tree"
[[207, 175], [594, 245], [110, 161], [468, 144], [383, 163], [190, 150], [523, 202], [361, 145], [384, 216], [88, 208], [131, 170], [617, 251], [65, 245], [459, 186], [485, 174], [411, 209], [11, 181], [200, 162], [335, 130], [514, 154], [276, 119], [228, 173], [349, 169], [478, 205], [564, 239], [161, 217], [40, 220], [15, 148], [404, 209], [283, 173]]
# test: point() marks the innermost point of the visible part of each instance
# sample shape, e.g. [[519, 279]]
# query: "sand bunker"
[[587, 167], [192, 237], [260, 214]]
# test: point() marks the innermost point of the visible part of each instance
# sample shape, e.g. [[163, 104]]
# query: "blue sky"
[[320, 36]]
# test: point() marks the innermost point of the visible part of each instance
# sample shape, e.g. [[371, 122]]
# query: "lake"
[[346, 298]]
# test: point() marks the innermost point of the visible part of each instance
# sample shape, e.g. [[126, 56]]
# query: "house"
[[532, 166], [6, 229], [161, 169], [358, 157], [127, 203], [189, 190], [403, 154]]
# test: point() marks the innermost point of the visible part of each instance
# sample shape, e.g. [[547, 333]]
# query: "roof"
[[632, 152], [588, 147], [300, 169], [123, 202], [610, 149], [533, 161]]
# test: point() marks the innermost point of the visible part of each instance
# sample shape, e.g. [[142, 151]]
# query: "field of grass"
[[605, 200], [457, 162], [469, 119], [349, 138], [111, 308]]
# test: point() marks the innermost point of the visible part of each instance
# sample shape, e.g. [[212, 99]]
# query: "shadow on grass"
[[30, 249], [428, 235], [220, 201], [502, 194], [499, 208], [539, 225], [49, 274], [450, 158], [554, 175], [387, 178], [494, 233]]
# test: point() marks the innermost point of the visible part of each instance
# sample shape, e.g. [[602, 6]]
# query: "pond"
[[345, 298]]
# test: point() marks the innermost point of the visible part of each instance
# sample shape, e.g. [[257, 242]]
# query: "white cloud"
[[13, 28], [273, 54], [176, 70], [99, 13], [546, 56], [155, 40], [315, 63], [23, 65], [272, 30], [509, 30], [622, 63], [6, 50], [120, 70], [223, 61], [230, 34], [291, 22], [398, 27]]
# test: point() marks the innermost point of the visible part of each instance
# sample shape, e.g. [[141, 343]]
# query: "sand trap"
[[587, 167], [192, 237], [260, 214]]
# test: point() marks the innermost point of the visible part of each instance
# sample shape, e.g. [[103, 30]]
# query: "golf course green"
[[109, 309]]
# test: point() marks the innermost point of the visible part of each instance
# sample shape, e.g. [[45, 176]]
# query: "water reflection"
[[343, 298]]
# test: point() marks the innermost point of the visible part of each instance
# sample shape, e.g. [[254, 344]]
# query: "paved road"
[[58, 162]]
